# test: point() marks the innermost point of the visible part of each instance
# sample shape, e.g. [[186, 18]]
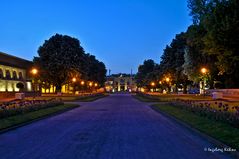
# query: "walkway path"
[[115, 127]]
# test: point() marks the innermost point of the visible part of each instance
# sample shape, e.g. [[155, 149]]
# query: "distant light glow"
[[167, 79], [204, 70], [34, 71], [142, 90], [74, 79], [90, 84], [152, 84]]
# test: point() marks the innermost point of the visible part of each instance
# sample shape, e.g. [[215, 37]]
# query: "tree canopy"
[[62, 57], [146, 73], [220, 20], [211, 42]]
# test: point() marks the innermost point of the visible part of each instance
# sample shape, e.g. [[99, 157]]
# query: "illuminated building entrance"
[[120, 83]]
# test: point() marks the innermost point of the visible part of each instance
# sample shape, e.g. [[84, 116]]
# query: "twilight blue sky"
[[121, 33]]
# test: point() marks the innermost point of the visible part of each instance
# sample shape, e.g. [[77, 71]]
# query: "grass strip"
[[17, 120], [146, 98], [91, 98], [73, 98], [169, 97], [220, 131]]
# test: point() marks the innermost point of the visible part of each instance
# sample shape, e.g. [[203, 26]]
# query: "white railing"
[[226, 92]]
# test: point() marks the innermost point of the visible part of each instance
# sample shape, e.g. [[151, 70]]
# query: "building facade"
[[14, 70], [120, 83]]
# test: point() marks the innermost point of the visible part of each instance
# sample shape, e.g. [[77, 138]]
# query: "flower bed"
[[218, 111], [23, 106]]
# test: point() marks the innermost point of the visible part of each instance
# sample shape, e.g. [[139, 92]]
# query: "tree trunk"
[[185, 88], [176, 89]]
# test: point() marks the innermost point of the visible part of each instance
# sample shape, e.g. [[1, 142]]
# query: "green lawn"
[[72, 98], [170, 97], [91, 98], [221, 131], [146, 99], [28, 117]]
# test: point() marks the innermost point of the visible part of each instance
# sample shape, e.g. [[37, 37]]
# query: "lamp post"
[[73, 81], [90, 84], [82, 83], [167, 79], [204, 71], [152, 84], [96, 85], [34, 72]]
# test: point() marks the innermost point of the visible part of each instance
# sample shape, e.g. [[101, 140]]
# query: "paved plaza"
[[115, 127]]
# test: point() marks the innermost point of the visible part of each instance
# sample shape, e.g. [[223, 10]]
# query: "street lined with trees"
[[117, 127]]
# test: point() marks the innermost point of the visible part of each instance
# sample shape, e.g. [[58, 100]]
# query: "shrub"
[[20, 86]]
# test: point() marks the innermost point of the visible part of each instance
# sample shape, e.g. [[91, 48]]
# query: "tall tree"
[[142, 76], [194, 56], [96, 70], [199, 8], [172, 60], [59, 58], [220, 20], [223, 38]]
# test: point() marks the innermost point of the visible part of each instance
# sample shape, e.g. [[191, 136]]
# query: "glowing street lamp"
[[90, 84], [142, 90], [82, 83], [74, 79], [204, 70], [73, 85], [167, 79], [34, 71], [152, 84], [160, 82], [96, 85]]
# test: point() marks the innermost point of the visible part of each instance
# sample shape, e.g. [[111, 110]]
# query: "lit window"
[[1, 73], [20, 75], [8, 75], [14, 75]]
